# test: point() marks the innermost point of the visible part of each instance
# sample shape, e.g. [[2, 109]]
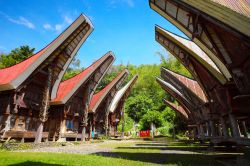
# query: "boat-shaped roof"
[[185, 83], [122, 92], [176, 108], [100, 96], [11, 77], [68, 87], [192, 49]]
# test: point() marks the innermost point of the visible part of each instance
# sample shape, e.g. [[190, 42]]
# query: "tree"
[[73, 69], [137, 106], [15, 56], [128, 124], [151, 117]]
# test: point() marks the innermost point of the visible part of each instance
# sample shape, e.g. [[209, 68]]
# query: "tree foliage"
[[152, 116], [15, 56]]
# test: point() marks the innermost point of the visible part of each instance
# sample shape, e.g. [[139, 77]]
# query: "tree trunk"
[[152, 130]]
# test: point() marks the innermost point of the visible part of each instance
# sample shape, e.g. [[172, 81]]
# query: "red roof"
[[190, 84], [10, 73], [67, 86], [100, 95], [178, 108]]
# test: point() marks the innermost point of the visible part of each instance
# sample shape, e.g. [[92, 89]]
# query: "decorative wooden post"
[[94, 125], [43, 114], [90, 130], [202, 134], [224, 127], [106, 122], [84, 122], [86, 111], [106, 117], [243, 123], [123, 121], [208, 129], [234, 126], [212, 127]]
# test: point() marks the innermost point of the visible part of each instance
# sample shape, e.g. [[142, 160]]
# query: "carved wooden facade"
[[218, 30], [26, 88], [116, 108], [73, 99], [100, 103]]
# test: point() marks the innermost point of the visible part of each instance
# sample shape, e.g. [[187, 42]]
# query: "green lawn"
[[136, 158], [124, 153]]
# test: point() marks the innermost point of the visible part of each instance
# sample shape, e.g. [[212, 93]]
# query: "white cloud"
[[2, 48], [47, 26], [21, 21], [68, 20], [129, 2], [60, 26], [113, 3]]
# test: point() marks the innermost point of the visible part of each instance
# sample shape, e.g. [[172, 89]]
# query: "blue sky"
[[125, 27]]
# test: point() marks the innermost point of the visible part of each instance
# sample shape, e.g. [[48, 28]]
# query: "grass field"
[[135, 153]]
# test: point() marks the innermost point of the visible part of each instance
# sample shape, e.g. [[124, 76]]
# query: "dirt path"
[[87, 148]]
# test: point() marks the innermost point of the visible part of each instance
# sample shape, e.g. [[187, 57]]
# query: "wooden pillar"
[[106, 117], [115, 126], [208, 130], [8, 123], [86, 101], [43, 114], [106, 121], [202, 134], [90, 130], [212, 127], [234, 126], [123, 121], [94, 128], [224, 127], [244, 128], [219, 129], [63, 128], [195, 132]]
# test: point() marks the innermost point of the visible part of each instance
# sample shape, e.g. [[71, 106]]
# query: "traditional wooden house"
[[217, 88], [100, 103], [194, 117], [193, 92], [192, 127], [221, 30], [117, 106], [27, 87], [177, 108], [69, 110]]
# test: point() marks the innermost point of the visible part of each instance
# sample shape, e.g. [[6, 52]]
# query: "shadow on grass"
[[153, 144], [31, 163], [159, 158], [188, 148]]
